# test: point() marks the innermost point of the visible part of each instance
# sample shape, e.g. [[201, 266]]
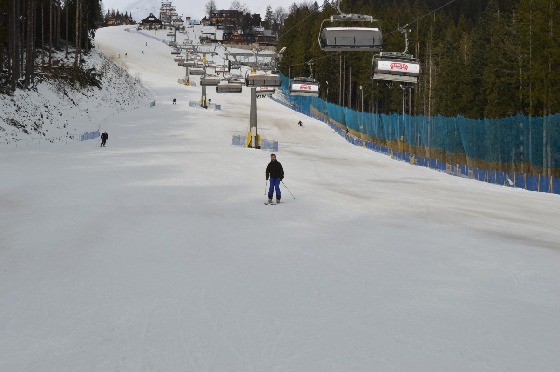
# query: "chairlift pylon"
[[349, 39]]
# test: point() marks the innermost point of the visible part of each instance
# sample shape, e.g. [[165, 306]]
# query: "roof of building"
[[151, 19]]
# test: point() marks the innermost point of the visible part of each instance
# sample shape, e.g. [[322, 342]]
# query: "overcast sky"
[[193, 8]]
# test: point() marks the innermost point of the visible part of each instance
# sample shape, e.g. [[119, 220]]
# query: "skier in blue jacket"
[[275, 172]]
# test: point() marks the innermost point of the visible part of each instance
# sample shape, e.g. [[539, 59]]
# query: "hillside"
[[57, 112]]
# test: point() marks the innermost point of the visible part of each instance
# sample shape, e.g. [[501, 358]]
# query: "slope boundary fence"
[[519, 151]]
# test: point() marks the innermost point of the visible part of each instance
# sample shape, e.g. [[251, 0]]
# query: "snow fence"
[[517, 151]]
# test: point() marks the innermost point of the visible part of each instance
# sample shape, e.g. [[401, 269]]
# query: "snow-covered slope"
[[57, 112], [156, 253]]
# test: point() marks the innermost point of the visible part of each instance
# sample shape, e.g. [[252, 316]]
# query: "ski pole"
[[288, 189], [265, 184]]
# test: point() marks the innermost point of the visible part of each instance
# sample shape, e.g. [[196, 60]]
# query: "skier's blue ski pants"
[[274, 184]]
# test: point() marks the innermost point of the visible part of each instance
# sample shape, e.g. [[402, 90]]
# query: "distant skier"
[[300, 123], [174, 101], [104, 138], [275, 172]]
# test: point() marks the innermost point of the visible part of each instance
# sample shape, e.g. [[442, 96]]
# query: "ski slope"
[[156, 253]]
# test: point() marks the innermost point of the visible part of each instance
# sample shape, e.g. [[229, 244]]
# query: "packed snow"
[[157, 253], [55, 112]]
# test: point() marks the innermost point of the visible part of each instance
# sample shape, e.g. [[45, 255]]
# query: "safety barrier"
[[267, 145], [519, 151], [89, 135], [210, 106]]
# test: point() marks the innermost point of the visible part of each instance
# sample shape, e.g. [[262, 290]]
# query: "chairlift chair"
[[396, 66], [196, 71], [262, 80], [302, 86], [226, 87], [265, 91], [209, 80], [350, 38], [236, 79]]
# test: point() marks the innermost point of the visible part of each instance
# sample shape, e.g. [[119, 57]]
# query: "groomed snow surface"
[[156, 253]]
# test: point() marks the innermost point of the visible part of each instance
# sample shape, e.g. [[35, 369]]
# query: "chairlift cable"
[[297, 24], [420, 18]]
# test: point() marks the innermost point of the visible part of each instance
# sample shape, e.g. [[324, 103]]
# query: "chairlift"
[[349, 39], [396, 66], [236, 79], [265, 91], [196, 71], [226, 87], [209, 80], [170, 34], [221, 68], [175, 51], [304, 86], [262, 80]]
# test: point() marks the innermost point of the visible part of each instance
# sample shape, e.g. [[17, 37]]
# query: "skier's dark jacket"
[[274, 169]]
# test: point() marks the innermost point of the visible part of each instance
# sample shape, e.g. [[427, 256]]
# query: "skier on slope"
[[104, 138], [275, 172]]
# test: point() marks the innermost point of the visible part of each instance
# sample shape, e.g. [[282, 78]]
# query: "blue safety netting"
[[89, 135], [517, 151]]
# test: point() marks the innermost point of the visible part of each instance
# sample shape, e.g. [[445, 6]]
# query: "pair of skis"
[[271, 203]]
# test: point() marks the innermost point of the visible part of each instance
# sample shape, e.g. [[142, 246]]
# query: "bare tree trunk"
[[50, 32], [57, 25], [76, 57], [350, 88], [86, 35], [30, 53], [42, 34], [67, 35], [15, 45], [340, 79]]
